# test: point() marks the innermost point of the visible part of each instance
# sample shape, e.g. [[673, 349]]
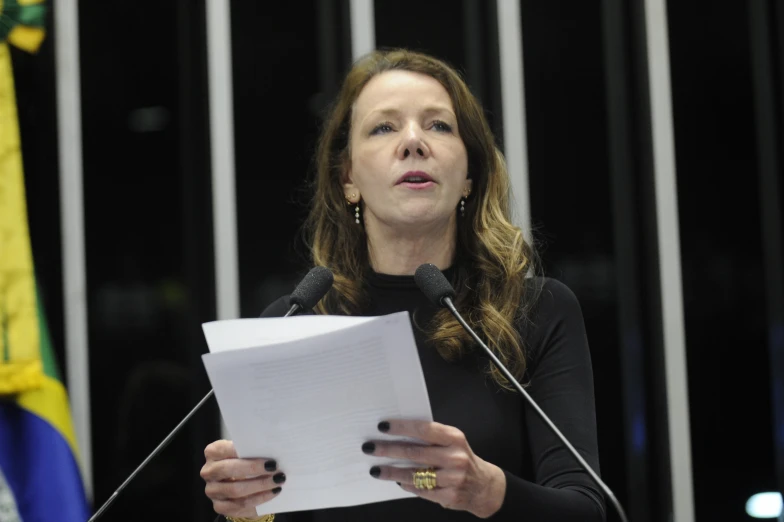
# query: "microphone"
[[435, 286], [308, 292]]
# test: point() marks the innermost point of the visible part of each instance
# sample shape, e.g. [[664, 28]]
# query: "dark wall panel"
[[288, 58], [721, 245], [148, 251], [571, 200]]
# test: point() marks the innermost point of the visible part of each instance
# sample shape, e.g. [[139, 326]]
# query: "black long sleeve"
[[561, 383], [544, 482]]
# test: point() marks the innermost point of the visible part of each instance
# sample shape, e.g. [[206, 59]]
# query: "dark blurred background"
[[148, 214]]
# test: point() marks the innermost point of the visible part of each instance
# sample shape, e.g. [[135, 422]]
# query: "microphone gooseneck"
[[308, 292], [435, 286], [158, 449]]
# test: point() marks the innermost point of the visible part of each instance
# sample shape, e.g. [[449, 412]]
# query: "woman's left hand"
[[464, 481]]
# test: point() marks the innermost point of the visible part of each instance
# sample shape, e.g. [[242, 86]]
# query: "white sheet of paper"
[[308, 391]]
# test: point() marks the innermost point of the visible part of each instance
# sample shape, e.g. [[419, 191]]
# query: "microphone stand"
[[157, 450], [447, 302], [293, 310]]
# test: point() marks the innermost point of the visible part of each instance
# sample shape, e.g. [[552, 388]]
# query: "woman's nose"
[[413, 143], [418, 150]]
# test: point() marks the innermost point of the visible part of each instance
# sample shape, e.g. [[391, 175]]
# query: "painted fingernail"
[[383, 426], [276, 491], [368, 448], [270, 465], [375, 471], [398, 483], [280, 478]]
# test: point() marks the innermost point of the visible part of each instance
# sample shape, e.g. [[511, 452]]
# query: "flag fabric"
[[39, 474], [8, 511]]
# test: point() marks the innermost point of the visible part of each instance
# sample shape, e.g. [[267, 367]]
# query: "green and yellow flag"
[[38, 466], [20, 366]]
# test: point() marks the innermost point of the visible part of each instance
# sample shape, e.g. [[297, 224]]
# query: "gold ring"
[[425, 479]]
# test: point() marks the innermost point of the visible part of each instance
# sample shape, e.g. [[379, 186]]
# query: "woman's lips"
[[418, 186], [415, 174]]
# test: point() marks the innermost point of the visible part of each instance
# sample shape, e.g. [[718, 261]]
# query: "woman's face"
[[408, 162]]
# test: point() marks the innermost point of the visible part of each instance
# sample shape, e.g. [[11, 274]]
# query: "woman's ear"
[[350, 190], [469, 184]]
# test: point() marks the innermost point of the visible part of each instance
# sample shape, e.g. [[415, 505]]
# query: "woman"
[[408, 173]]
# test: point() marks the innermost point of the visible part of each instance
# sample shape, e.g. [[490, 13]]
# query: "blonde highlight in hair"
[[492, 257]]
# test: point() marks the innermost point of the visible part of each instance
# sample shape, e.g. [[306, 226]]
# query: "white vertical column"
[[510, 44], [224, 201], [363, 27], [69, 137], [669, 260]]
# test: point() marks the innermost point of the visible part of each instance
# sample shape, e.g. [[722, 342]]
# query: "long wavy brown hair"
[[492, 258]]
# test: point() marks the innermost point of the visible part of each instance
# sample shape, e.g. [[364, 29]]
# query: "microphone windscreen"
[[312, 288], [433, 283]]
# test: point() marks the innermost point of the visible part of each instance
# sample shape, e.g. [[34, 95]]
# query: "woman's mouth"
[[416, 180], [418, 185]]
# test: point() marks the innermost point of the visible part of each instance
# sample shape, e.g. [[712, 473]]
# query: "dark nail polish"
[[270, 465], [398, 483], [276, 491], [375, 471], [368, 448], [280, 478], [383, 426]]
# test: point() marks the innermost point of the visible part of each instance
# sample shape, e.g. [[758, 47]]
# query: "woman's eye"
[[381, 128], [442, 126]]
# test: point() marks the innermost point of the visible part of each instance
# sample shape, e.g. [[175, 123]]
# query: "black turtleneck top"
[[543, 481]]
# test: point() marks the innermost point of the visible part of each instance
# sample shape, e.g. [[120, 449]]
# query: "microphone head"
[[312, 288], [433, 284]]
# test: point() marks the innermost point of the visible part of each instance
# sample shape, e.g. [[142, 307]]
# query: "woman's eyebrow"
[[435, 109], [432, 109]]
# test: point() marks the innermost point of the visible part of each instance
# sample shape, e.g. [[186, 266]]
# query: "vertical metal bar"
[[224, 201], [69, 136], [669, 259], [363, 27], [768, 136], [510, 37]]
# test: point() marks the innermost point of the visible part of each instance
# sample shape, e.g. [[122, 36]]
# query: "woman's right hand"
[[236, 486]]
